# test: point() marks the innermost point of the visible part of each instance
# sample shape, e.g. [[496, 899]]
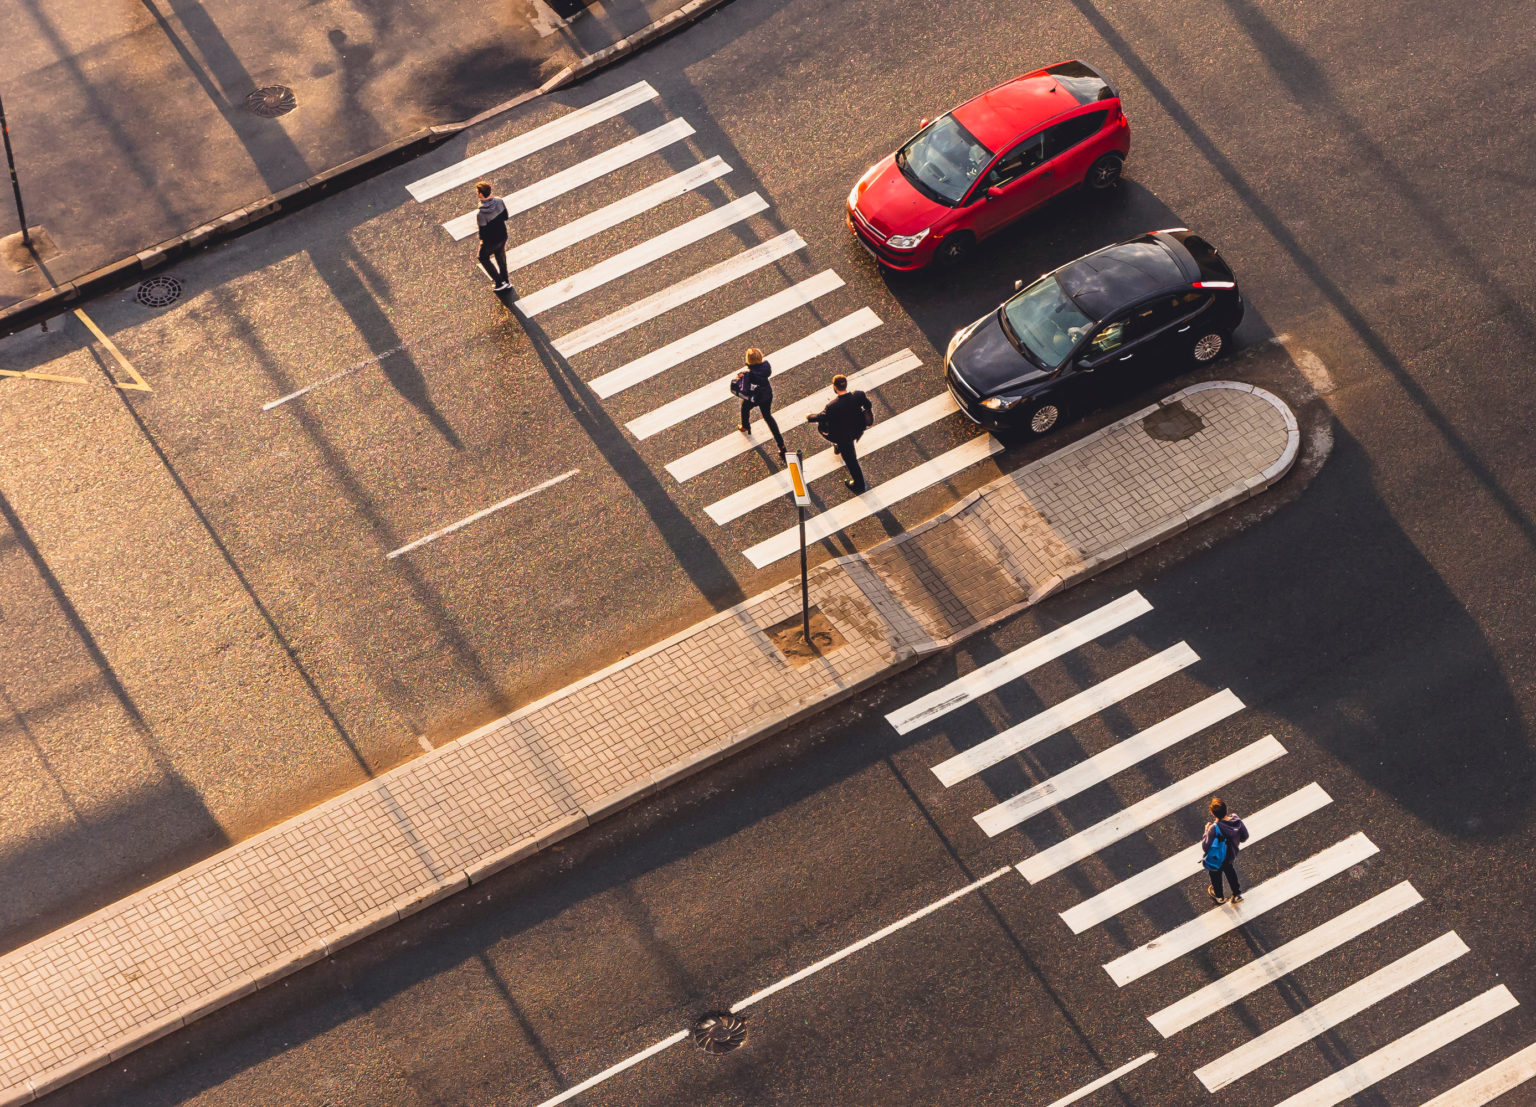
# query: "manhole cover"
[[719, 1032], [272, 101], [157, 292], [1173, 423]]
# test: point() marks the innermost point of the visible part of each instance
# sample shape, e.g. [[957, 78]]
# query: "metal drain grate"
[[274, 100], [158, 292], [720, 1032]]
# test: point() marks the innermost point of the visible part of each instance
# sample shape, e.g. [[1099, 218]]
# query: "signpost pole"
[[10, 161], [802, 501]]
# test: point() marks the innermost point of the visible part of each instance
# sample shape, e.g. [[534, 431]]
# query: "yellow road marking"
[[34, 375], [139, 384]]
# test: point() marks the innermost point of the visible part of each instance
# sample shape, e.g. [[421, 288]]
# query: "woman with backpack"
[[751, 384], [1220, 844]]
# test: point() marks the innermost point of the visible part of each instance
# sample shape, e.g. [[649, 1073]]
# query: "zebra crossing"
[[670, 389], [1270, 898]]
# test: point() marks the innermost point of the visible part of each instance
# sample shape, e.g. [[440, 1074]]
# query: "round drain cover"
[[719, 1032], [274, 100], [157, 292]]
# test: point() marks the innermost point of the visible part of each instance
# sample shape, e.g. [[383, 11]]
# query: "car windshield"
[[1043, 322], [943, 160]]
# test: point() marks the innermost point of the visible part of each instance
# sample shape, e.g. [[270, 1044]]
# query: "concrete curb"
[[131, 269]]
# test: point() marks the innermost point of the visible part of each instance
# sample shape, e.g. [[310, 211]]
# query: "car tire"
[[1044, 417], [1208, 347], [1104, 174], [954, 249]]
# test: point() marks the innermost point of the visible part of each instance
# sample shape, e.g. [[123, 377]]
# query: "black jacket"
[[757, 389], [492, 221], [843, 419]]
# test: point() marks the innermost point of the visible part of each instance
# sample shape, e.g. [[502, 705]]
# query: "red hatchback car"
[[994, 158]]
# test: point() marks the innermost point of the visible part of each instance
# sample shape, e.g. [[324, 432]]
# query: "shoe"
[[744, 429], [1236, 898], [856, 489], [781, 456], [1214, 897], [504, 286]]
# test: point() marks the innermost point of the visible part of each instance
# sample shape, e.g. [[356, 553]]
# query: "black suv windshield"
[[943, 160], [1044, 323]]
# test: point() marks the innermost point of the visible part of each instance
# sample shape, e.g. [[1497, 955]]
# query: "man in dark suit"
[[842, 423]]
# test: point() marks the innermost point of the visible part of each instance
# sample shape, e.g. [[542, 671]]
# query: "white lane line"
[[718, 391], [349, 370], [481, 514], [715, 334], [689, 288], [1192, 789], [636, 203], [1188, 862], [1067, 713], [571, 123], [1491, 1083], [637, 257], [1103, 1081], [883, 932], [614, 1070], [1025, 659], [724, 449], [583, 172], [877, 499], [1411, 1047], [1326, 1014], [1285, 959], [1219, 920], [777, 485], [1102, 766]]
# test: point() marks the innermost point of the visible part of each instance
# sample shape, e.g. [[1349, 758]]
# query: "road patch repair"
[[147, 965]]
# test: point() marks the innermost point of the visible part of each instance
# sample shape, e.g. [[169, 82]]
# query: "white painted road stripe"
[[1192, 789], [1025, 659], [733, 445], [715, 334], [481, 514], [1326, 1014], [374, 360], [584, 172], [1067, 713], [614, 1070], [877, 499], [690, 288], [883, 932], [718, 391], [1104, 1081], [571, 123], [1217, 921], [1411, 1047], [1187, 862], [637, 257], [777, 485], [1491, 1083], [1285, 959], [579, 230], [1102, 766]]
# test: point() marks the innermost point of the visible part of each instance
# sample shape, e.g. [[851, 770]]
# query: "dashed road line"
[[481, 514]]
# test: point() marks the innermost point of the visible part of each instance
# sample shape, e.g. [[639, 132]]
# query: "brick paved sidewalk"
[[149, 964]]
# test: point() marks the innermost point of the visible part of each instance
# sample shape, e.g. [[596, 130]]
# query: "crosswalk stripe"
[[1067, 713], [1025, 659], [877, 499], [1217, 921], [1102, 766], [461, 227], [1104, 1081], [718, 391], [1285, 959], [789, 417], [637, 257], [1411, 1047], [571, 123], [1328, 1013], [1491, 1083], [883, 433], [689, 288], [1157, 806], [636, 203], [706, 338]]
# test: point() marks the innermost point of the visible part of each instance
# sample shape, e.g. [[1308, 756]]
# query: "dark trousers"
[[766, 407], [497, 252], [849, 452], [1215, 875]]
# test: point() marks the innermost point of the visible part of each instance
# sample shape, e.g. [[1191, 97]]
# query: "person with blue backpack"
[[1220, 844]]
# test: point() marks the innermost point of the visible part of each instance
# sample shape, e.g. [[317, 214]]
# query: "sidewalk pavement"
[[155, 961]]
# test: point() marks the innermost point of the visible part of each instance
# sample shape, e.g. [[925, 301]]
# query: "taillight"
[[1214, 284]]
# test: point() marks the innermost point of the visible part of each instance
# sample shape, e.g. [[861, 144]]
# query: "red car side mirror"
[[994, 192], [922, 122]]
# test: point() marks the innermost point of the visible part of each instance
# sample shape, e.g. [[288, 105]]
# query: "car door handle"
[[1185, 327], [1127, 357]]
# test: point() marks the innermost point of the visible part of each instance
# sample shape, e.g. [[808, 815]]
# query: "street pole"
[[802, 501], [10, 160]]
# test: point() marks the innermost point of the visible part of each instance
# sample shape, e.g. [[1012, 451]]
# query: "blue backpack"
[[1216, 856]]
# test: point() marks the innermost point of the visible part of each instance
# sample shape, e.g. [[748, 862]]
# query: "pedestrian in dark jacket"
[[751, 384], [492, 221], [1231, 831], [842, 423]]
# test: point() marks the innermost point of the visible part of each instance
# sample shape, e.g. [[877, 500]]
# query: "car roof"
[[998, 117], [1107, 280]]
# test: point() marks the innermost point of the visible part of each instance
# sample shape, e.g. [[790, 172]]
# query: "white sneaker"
[[504, 286]]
